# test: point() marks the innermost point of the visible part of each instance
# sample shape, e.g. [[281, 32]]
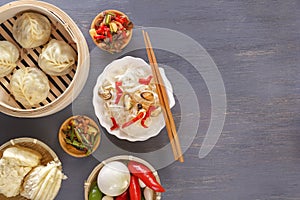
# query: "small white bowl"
[[135, 134]]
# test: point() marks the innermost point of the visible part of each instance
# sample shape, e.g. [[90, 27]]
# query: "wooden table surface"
[[256, 47]]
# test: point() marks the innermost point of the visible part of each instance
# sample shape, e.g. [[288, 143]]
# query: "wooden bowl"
[[101, 44], [63, 89], [71, 150], [47, 155], [123, 158]]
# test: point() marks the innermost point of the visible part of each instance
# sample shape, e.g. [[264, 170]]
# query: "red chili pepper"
[[123, 196], [119, 91], [144, 173], [138, 117], [147, 115], [145, 81], [134, 189], [122, 20], [100, 30], [115, 124], [106, 30]]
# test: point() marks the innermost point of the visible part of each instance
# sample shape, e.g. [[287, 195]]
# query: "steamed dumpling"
[[29, 86], [32, 30], [57, 58], [9, 55]]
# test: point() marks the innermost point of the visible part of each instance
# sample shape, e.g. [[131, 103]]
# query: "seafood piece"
[[105, 93], [149, 96], [145, 97], [128, 102]]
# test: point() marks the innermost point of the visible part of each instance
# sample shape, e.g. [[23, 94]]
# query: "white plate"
[[134, 133]]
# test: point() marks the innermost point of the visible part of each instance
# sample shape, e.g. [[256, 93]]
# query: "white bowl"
[[135, 133]]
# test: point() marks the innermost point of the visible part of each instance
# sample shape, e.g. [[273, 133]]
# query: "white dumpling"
[[9, 55], [32, 30], [29, 86], [57, 58]]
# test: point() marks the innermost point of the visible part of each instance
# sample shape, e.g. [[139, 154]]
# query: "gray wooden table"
[[256, 47]]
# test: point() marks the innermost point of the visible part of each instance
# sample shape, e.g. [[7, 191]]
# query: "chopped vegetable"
[[134, 188], [113, 27], [144, 173], [145, 81], [94, 193], [107, 19], [147, 115], [119, 92], [133, 120], [115, 124]]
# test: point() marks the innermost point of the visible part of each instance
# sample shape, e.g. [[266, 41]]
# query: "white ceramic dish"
[[136, 133]]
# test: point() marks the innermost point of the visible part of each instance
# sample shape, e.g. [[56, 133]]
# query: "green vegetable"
[[76, 131], [75, 143], [94, 193], [107, 19]]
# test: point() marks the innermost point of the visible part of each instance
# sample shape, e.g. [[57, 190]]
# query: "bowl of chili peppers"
[[111, 30], [79, 136], [143, 183]]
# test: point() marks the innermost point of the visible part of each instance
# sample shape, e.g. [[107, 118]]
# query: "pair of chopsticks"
[[164, 101]]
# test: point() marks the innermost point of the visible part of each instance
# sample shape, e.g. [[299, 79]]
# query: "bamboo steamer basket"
[[63, 89], [123, 158], [47, 155]]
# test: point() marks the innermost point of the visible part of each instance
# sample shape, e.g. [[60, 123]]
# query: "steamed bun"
[[29, 86], [57, 58], [32, 30], [9, 55]]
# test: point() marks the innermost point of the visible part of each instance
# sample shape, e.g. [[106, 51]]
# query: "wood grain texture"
[[256, 46]]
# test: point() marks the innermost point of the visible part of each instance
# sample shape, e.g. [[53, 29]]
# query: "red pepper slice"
[[99, 37], [138, 117], [123, 196], [145, 81], [147, 115], [115, 124], [119, 91], [134, 189], [144, 173]]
